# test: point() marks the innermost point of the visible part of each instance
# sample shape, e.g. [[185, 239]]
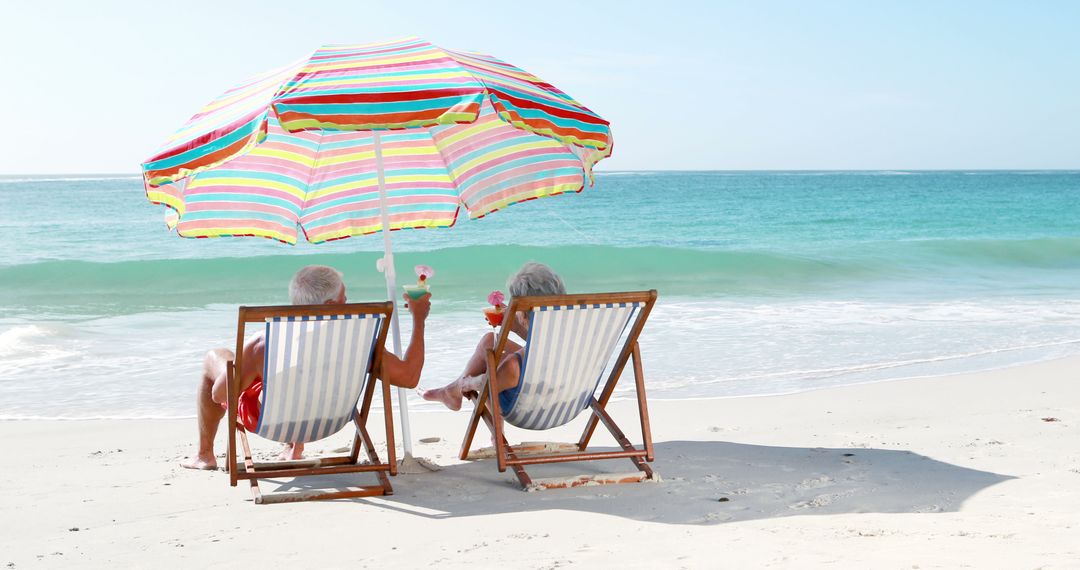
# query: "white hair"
[[315, 285], [535, 279]]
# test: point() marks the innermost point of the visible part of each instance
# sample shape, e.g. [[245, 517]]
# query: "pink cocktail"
[[494, 313]]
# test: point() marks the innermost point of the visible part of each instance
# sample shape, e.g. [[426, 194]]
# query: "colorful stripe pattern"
[[228, 127], [529, 103], [396, 85], [343, 198], [494, 165], [261, 193], [293, 150]]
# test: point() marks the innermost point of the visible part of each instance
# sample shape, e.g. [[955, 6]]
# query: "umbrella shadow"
[[703, 482]]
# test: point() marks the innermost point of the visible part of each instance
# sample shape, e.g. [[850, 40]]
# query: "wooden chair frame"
[[487, 404], [327, 465]]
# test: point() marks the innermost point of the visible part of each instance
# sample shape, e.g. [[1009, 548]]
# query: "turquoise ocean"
[[770, 282]]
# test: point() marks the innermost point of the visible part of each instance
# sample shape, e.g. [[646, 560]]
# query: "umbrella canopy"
[[296, 148]]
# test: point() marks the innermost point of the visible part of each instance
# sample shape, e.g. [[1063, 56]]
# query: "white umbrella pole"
[[386, 265]]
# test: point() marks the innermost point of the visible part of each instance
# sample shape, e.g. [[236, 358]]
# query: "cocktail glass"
[[415, 291], [494, 316]]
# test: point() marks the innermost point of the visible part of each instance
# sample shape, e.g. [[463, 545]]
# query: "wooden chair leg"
[[601, 414], [643, 408], [507, 452], [373, 457], [362, 438], [388, 420], [230, 418], [479, 408], [481, 412], [360, 418], [495, 421], [249, 465], [354, 449], [256, 493]]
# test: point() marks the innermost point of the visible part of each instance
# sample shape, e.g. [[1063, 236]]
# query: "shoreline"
[[414, 409], [928, 472]]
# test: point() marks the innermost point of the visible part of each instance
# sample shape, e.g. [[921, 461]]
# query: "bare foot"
[[449, 395], [201, 461], [292, 452]]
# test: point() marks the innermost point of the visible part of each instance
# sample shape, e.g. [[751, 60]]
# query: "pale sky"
[[95, 87]]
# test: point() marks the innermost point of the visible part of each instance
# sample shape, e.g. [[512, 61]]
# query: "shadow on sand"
[[704, 482]]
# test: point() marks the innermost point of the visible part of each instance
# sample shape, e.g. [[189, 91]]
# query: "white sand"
[[937, 472]]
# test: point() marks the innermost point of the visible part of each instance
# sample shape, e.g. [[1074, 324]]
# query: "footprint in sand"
[[814, 483], [818, 501]]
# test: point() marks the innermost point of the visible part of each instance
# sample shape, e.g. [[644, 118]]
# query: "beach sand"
[[978, 470]]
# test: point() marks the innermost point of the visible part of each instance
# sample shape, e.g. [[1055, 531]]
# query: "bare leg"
[[210, 412], [471, 380]]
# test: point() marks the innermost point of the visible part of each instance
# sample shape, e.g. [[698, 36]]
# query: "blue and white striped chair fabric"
[[566, 352], [314, 374]]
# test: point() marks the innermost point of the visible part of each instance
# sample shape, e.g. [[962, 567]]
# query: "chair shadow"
[[703, 482]]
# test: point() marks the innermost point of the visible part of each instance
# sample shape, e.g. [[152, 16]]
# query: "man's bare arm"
[[405, 373]]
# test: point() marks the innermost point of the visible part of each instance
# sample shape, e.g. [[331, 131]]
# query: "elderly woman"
[[531, 279]]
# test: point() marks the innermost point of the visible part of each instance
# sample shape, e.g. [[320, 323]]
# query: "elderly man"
[[532, 279], [312, 285]]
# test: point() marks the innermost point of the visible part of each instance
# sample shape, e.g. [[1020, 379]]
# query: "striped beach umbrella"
[[357, 139]]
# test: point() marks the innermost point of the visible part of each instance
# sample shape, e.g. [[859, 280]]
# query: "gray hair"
[[535, 279], [315, 285]]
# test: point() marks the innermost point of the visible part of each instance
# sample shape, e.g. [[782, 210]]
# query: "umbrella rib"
[[311, 176]]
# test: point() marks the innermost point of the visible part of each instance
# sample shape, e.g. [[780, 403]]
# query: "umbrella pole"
[[386, 265]]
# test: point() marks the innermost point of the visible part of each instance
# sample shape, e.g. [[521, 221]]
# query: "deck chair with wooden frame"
[[571, 338], [321, 361]]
